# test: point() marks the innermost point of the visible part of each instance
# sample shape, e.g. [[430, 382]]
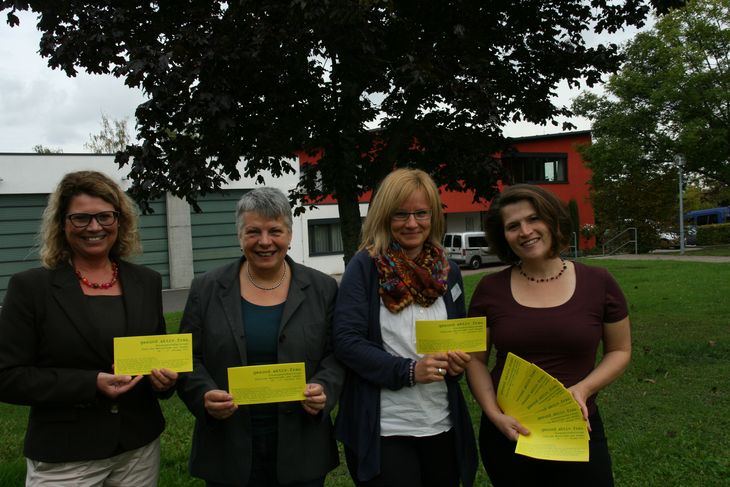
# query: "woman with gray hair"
[[261, 309]]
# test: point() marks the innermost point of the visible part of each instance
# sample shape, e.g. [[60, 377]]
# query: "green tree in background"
[[113, 137], [671, 96], [698, 197], [262, 80], [42, 149]]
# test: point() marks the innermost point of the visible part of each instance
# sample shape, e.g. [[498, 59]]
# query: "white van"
[[468, 248]]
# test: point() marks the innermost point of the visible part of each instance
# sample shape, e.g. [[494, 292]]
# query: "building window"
[[537, 167], [325, 237]]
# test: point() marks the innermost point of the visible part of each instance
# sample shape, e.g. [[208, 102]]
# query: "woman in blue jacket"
[[402, 415]]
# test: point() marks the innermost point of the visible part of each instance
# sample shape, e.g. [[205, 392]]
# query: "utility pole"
[[679, 159]]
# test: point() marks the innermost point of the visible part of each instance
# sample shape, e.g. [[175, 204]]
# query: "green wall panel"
[[20, 220], [215, 241], [153, 234]]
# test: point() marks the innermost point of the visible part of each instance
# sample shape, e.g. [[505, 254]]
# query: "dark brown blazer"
[[221, 450], [51, 353]]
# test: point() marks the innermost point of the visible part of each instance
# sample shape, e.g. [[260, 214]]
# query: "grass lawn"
[[667, 418]]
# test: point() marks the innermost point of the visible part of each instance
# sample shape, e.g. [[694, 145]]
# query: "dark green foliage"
[[664, 6], [713, 234]]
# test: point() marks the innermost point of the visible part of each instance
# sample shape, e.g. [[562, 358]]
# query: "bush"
[[713, 234]]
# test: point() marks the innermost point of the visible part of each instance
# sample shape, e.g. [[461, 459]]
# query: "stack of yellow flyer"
[[546, 408]]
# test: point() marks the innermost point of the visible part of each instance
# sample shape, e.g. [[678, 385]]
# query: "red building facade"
[[550, 161]]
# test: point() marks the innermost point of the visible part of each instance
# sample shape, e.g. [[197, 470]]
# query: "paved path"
[[659, 256], [174, 299]]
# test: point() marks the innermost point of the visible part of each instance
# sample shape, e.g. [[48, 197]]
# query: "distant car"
[[668, 240], [690, 235], [468, 248]]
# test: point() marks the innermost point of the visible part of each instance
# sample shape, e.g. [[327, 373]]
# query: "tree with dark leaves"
[[262, 80]]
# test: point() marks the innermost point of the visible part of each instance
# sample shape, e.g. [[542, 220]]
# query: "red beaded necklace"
[[543, 279], [103, 285]]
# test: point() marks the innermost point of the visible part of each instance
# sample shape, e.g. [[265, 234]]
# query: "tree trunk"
[[349, 208]]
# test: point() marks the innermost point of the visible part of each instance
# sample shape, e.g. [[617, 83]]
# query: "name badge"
[[455, 292]]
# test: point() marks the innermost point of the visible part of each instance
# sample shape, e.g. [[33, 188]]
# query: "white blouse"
[[421, 410]]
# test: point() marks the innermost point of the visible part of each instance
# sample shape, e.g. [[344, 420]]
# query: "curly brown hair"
[[548, 207], [53, 245]]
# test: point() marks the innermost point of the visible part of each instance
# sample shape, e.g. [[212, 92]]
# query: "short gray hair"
[[270, 203]]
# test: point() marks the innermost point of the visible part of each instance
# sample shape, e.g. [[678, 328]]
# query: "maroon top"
[[561, 340]]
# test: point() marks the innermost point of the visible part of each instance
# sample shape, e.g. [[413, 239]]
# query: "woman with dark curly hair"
[[87, 425], [554, 314]]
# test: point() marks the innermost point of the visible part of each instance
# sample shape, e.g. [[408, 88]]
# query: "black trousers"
[[506, 468], [263, 466], [411, 461]]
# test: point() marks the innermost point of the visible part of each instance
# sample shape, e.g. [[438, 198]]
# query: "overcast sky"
[[39, 105]]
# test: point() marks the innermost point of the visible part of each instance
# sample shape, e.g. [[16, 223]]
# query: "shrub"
[[713, 234]]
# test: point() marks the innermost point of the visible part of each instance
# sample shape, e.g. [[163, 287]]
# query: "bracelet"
[[412, 373]]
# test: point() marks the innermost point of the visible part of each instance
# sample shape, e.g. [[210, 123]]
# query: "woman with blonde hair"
[[87, 425], [402, 417]]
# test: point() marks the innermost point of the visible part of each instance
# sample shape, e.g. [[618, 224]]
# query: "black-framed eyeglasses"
[[83, 220], [402, 216]]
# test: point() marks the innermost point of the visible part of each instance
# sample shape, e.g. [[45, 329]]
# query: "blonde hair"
[[392, 192], [54, 247]]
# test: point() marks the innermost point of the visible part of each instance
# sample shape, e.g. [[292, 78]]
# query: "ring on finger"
[[441, 371]]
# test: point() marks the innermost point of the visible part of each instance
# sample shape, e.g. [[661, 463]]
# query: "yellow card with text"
[[464, 334], [258, 384], [138, 355]]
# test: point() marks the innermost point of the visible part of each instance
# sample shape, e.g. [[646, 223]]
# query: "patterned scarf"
[[404, 281]]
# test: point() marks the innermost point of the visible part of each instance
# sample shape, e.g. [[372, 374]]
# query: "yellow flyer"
[[464, 334], [138, 355], [546, 408], [258, 384]]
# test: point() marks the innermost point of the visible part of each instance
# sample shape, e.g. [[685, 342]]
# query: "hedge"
[[713, 234]]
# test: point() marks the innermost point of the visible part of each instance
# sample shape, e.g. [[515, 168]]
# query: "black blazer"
[[221, 450], [51, 353]]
